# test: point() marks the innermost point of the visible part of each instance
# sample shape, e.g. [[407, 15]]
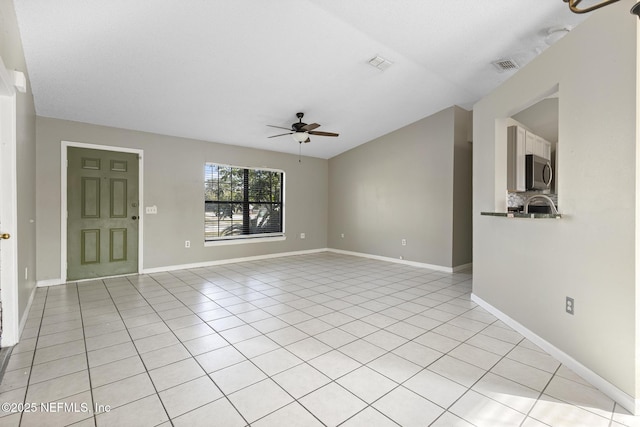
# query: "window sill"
[[244, 241]]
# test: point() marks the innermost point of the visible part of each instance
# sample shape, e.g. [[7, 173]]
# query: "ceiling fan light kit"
[[301, 137]]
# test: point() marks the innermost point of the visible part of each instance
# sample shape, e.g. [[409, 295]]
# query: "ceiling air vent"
[[506, 64], [380, 63]]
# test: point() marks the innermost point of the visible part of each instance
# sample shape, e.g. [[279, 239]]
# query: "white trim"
[[245, 240], [19, 80], [55, 282], [628, 402], [27, 309], [284, 201], [402, 261], [63, 200], [6, 81], [9, 206], [49, 282], [263, 168], [462, 267], [230, 261]]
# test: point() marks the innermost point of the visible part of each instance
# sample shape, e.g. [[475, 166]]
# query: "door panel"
[[90, 246], [102, 205], [90, 198], [118, 244]]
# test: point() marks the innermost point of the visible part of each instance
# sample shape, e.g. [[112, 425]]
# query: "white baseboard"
[[25, 314], [54, 282], [463, 267], [403, 261], [229, 261], [59, 281], [49, 282], [628, 402]]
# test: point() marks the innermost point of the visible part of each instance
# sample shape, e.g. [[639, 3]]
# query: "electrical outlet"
[[151, 210], [187, 244], [342, 236], [570, 305], [303, 236], [404, 242]]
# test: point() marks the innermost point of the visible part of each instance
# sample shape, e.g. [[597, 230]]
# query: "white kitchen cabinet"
[[521, 142], [531, 141], [546, 149], [537, 145], [516, 155]]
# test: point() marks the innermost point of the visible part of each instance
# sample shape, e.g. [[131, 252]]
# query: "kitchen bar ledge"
[[523, 215]]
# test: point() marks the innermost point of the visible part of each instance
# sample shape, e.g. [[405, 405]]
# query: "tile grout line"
[[191, 354], [539, 396], [397, 321], [388, 351], [248, 359], [35, 349], [259, 278], [139, 356], [86, 354]]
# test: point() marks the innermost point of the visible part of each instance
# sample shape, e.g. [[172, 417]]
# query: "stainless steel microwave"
[[538, 174]]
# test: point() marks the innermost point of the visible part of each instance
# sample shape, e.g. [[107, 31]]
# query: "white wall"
[[173, 181], [525, 268]]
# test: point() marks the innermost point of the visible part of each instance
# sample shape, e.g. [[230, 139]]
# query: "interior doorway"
[[9, 318]]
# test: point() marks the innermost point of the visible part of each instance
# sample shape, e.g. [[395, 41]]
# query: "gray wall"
[[401, 186], [462, 188], [13, 58], [525, 268], [173, 181]]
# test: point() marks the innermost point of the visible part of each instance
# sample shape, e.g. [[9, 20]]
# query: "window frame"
[[247, 238]]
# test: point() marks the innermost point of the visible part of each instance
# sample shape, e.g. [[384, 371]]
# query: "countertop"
[[522, 215]]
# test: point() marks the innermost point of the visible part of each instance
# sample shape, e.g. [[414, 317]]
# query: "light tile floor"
[[309, 340]]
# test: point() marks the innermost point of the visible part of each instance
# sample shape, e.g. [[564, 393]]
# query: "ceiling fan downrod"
[[573, 6]]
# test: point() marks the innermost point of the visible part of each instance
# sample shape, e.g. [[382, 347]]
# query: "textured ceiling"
[[221, 71]]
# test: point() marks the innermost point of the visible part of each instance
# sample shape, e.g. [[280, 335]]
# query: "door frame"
[[9, 206], [63, 199]]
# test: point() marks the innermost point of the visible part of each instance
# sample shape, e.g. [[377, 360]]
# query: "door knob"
[[5, 236], [134, 217]]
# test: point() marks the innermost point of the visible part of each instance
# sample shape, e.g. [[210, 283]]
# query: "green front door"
[[102, 213]]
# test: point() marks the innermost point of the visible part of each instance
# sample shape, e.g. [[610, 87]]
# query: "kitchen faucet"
[[554, 211]]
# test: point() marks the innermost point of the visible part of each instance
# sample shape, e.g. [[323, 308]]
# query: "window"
[[242, 202]]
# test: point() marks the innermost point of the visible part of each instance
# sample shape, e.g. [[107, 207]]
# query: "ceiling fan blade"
[[279, 127], [282, 134], [309, 127], [308, 140], [323, 133]]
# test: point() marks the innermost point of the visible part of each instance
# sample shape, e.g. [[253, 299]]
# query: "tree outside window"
[[242, 202]]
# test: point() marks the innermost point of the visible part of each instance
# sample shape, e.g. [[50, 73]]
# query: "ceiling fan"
[[573, 6], [301, 131]]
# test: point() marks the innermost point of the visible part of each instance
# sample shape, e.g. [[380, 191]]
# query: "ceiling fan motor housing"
[[297, 127]]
